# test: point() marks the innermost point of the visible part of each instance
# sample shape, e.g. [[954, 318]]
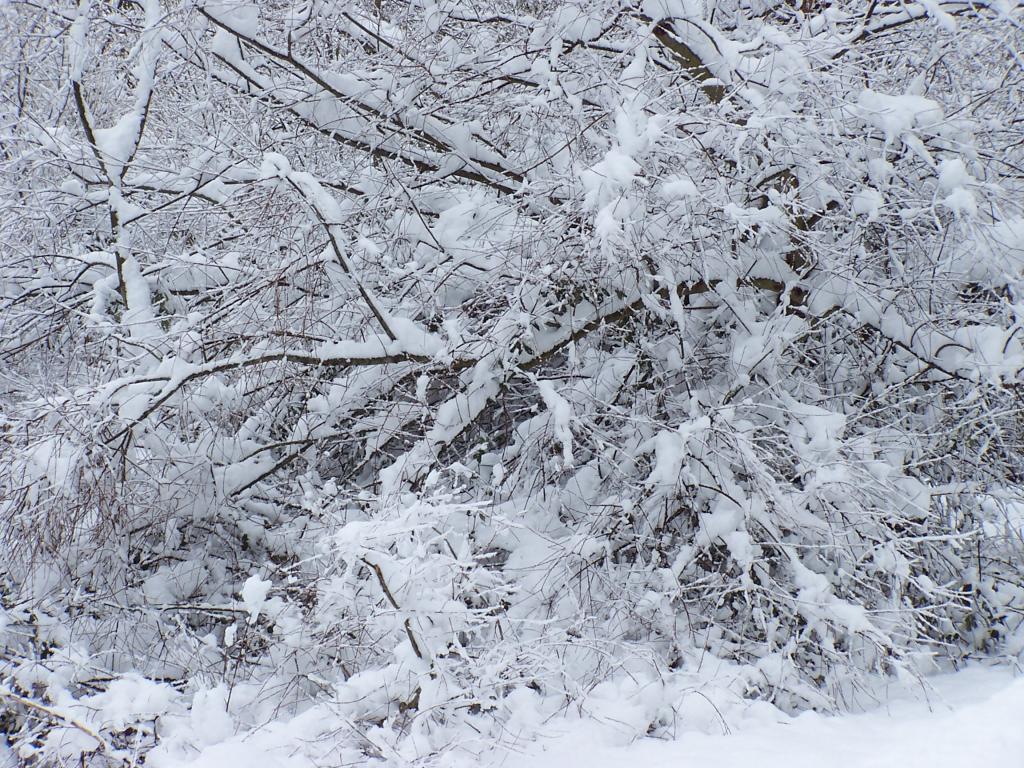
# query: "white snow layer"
[[972, 717]]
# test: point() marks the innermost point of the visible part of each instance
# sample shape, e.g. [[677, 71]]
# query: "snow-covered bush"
[[393, 380]]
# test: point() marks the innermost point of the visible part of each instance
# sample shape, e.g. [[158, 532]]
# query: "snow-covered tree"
[[390, 377]]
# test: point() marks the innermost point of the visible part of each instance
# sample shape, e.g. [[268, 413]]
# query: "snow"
[[426, 411], [998, 250], [254, 595], [815, 431], [274, 166], [127, 698], [953, 174], [972, 717], [77, 51], [211, 723], [966, 718], [944, 19], [57, 462], [561, 413], [608, 178], [896, 115], [118, 142], [953, 179], [961, 200], [175, 582], [72, 186], [868, 201], [753, 217], [242, 17], [139, 318], [678, 187], [816, 602], [576, 23], [670, 450]]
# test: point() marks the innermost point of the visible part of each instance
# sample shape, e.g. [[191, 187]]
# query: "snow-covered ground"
[[974, 717]]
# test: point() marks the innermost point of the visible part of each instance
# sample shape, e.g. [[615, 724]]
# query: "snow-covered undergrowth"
[[398, 637], [971, 717], [400, 381]]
